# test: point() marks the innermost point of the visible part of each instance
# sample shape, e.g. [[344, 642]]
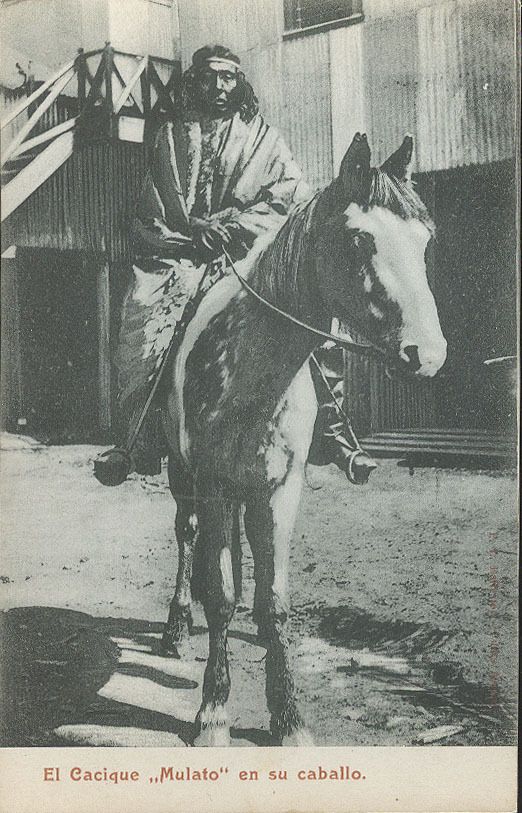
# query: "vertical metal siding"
[[447, 136], [459, 95], [94, 22], [9, 99], [442, 70], [379, 9], [128, 25], [242, 25], [390, 75], [347, 88], [307, 114], [488, 49], [162, 33], [87, 204]]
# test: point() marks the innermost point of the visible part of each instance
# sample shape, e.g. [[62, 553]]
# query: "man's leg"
[[334, 440]]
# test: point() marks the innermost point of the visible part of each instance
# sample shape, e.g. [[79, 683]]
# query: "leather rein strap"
[[347, 344]]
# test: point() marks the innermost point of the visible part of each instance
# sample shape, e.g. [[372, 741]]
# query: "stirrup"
[[355, 462], [111, 468], [359, 466]]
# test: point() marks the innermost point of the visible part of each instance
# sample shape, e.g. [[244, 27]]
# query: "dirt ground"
[[404, 609]]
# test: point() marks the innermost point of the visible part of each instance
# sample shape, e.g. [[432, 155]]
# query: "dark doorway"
[[59, 338], [474, 279]]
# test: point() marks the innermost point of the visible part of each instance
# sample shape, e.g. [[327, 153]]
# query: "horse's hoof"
[[298, 739], [170, 640], [213, 728], [213, 737], [168, 648], [174, 633]]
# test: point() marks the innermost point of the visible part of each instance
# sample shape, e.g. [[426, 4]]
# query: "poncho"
[[239, 174]]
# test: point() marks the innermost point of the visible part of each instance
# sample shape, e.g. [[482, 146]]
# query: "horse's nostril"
[[412, 354]]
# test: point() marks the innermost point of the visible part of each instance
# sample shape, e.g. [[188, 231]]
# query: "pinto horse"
[[240, 407]]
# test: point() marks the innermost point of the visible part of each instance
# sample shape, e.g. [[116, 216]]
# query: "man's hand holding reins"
[[209, 238]]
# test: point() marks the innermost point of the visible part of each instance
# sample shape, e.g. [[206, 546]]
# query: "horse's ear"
[[398, 165], [354, 174]]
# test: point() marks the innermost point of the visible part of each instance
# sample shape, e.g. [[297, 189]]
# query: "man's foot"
[[354, 462], [113, 467]]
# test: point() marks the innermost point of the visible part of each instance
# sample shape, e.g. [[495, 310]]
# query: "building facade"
[[442, 70]]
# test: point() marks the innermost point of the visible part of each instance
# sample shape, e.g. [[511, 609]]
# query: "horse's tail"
[[200, 562]]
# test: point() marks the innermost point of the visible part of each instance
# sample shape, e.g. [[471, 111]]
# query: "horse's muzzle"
[[410, 356], [419, 363]]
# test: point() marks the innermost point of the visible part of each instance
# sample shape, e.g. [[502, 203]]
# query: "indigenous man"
[[220, 177]]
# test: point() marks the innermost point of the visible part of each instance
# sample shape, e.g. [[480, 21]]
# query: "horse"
[[240, 405]]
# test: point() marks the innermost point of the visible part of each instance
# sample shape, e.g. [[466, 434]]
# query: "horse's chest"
[[247, 429]]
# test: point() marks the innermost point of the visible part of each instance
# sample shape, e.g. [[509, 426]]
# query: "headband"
[[222, 62]]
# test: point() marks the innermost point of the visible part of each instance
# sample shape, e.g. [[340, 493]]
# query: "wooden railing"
[[106, 88]]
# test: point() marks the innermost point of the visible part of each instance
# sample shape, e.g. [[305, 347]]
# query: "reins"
[[347, 344]]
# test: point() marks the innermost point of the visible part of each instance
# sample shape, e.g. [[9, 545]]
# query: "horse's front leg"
[[269, 523], [218, 535], [180, 616]]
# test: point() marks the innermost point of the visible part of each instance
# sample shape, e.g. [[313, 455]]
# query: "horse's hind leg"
[[186, 524], [218, 527], [269, 522]]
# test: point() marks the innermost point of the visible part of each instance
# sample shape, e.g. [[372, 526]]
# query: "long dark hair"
[[243, 97]]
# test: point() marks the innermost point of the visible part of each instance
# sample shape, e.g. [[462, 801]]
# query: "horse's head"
[[371, 253]]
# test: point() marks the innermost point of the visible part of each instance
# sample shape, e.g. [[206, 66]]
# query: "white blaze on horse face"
[[401, 269]]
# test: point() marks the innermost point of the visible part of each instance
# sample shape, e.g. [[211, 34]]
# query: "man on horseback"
[[220, 178]]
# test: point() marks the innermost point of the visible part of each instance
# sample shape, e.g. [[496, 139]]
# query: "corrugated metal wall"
[[10, 99], [349, 107], [390, 75], [305, 117], [144, 27], [87, 204], [442, 70]]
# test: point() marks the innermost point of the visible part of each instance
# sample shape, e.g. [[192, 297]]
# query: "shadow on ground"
[[67, 670], [405, 658]]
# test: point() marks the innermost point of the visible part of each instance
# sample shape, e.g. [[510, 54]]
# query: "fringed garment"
[[240, 175]]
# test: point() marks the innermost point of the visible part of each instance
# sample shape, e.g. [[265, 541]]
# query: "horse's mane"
[[286, 252], [398, 196], [287, 249]]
